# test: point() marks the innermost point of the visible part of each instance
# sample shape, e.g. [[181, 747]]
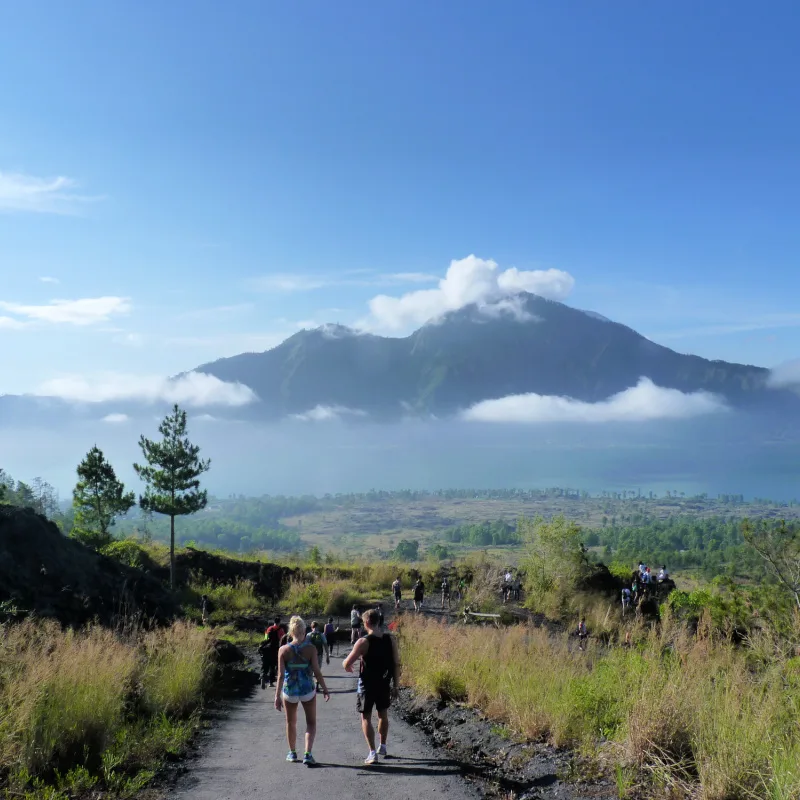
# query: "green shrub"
[[126, 551]]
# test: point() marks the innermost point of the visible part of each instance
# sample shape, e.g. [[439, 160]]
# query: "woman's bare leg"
[[311, 722], [291, 725]]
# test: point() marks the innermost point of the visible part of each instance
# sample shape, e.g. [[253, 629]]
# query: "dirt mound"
[[268, 579], [43, 572]]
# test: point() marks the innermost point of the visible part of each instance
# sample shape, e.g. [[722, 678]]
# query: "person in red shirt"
[[272, 643]]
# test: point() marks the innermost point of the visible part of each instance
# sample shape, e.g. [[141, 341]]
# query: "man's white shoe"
[[371, 758], [382, 750]]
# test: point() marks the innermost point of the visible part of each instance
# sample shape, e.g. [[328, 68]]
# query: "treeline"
[[214, 533], [38, 495], [713, 544], [483, 534], [559, 492], [266, 510]]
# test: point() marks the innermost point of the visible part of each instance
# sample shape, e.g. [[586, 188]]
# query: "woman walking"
[[297, 666]]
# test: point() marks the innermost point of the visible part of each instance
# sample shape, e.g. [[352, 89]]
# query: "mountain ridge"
[[530, 345]]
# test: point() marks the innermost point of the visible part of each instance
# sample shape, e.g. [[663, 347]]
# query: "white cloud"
[[20, 192], [115, 419], [468, 280], [785, 376], [46, 279], [87, 311], [640, 403], [325, 413], [191, 389]]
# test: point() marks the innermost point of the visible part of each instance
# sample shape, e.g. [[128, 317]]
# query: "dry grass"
[[691, 711], [70, 699]]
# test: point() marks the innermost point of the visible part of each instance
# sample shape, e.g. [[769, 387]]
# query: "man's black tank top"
[[377, 664]]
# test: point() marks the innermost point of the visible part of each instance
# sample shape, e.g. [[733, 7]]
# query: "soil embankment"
[[45, 573]]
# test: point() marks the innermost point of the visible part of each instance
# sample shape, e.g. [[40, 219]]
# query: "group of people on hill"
[[641, 586], [449, 592], [292, 658]]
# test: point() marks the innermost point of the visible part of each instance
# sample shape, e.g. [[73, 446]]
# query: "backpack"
[[316, 640]]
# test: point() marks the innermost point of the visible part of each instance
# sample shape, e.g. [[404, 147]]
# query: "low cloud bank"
[[785, 376], [327, 413], [192, 389], [468, 280], [643, 402]]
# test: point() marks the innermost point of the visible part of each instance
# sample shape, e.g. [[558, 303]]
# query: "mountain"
[[477, 353]]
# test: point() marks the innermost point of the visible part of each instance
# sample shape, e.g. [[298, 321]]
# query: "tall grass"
[[324, 596], [176, 669], [70, 699], [694, 712], [227, 599]]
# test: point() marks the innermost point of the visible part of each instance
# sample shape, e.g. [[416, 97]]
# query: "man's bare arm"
[[357, 652]]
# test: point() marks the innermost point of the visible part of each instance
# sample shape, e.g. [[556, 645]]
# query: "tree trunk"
[[172, 551]]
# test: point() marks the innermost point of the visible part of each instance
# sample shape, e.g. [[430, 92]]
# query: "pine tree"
[[98, 498], [171, 475]]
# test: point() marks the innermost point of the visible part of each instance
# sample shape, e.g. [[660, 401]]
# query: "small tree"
[[407, 550], [97, 499], [555, 558], [779, 545], [171, 476]]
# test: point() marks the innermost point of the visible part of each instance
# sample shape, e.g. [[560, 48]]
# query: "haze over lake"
[[739, 454]]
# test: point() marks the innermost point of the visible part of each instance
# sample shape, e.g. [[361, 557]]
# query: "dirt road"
[[243, 758]]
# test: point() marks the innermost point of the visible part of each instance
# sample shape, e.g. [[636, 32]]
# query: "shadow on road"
[[445, 768]]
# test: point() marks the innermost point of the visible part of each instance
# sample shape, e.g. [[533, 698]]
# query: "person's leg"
[[369, 731], [311, 722], [383, 725], [291, 725]]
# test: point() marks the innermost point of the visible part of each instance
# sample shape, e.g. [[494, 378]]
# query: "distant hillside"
[[470, 356]]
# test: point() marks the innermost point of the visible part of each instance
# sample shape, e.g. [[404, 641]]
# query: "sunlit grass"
[[95, 700], [691, 711]]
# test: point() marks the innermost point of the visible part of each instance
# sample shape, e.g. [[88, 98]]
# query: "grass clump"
[[176, 670], [448, 686]]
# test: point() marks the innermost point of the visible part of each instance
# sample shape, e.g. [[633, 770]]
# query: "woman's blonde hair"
[[297, 629]]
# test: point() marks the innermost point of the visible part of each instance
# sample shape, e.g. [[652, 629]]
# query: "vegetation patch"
[[89, 708], [687, 709]]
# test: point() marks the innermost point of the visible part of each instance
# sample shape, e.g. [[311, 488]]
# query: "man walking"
[[419, 594], [378, 681], [397, 591]]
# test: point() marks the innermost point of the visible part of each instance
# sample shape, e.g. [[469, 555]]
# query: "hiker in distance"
[[378, 681], [298, 665]]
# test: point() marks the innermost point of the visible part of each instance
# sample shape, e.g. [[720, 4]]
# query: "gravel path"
[[243, 757]]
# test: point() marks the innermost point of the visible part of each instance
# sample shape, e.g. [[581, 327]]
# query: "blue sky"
[[194, 180]]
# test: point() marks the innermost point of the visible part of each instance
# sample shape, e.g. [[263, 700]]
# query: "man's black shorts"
[[380, 698]]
